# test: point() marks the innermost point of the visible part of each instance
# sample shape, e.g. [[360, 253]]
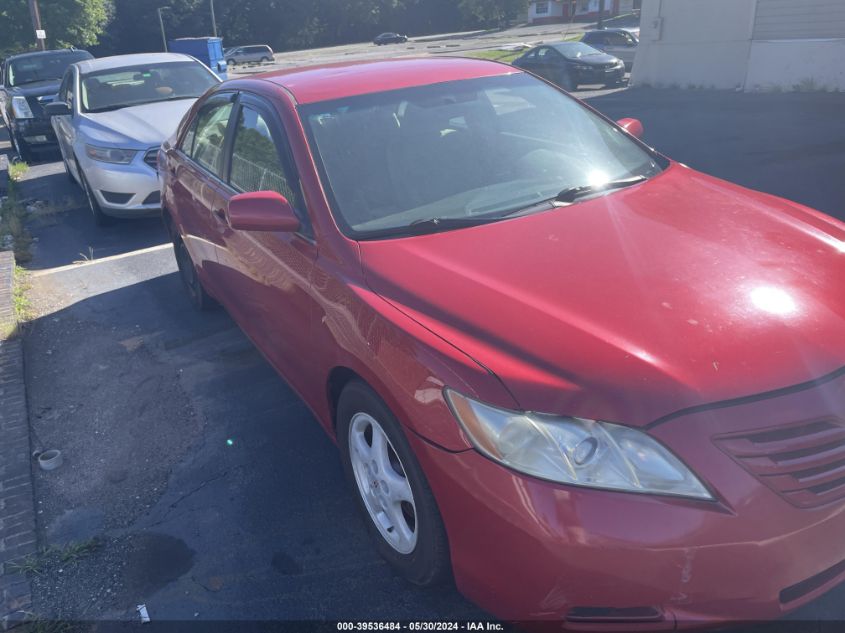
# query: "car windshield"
[[472, 149], [575, 50], [46, 67], [135, 85]]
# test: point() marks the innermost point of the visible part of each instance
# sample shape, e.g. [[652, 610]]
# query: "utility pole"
[[36, 22], [601, 14], [161, 23], [213, 21]]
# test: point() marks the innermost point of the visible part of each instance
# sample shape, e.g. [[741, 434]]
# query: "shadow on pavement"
[[790, 145], [211, 487]]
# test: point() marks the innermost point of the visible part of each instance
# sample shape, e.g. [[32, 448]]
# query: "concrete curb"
[[17, 508]]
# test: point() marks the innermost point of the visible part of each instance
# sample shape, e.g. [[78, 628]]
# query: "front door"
[[266, 276]]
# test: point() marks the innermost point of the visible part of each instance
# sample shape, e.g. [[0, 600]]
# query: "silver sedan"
[[110, 117]]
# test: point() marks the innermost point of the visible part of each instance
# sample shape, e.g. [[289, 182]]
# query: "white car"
[[110, 117]]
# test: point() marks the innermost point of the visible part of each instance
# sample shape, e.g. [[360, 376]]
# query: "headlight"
[[21, 108], [110, 155], [574, 450]]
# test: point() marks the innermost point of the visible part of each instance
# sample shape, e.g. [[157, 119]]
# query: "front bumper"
[[526, 549], [37, 133], [599, 76], [124, 191]]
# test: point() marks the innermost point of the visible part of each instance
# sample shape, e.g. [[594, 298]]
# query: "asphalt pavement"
[[211, 491]]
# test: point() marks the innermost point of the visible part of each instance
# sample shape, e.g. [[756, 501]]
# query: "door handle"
[[220, 213]]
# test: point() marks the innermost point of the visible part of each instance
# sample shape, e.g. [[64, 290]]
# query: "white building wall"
[[701, 43], [742, 44], [796, 65]]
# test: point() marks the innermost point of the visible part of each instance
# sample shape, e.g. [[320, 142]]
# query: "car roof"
[[121, 61], [53, 52], [346, 79]]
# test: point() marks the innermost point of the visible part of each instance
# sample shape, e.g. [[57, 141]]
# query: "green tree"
[[67, 23]]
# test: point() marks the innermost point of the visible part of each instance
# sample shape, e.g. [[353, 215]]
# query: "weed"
[[23, 308], [37, 624], [12, 223], [17, 170]]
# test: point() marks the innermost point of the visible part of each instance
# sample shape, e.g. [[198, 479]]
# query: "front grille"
[[805, 463], [151, 158]]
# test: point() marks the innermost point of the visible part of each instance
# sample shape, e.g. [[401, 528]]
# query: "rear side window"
[[208, 136]]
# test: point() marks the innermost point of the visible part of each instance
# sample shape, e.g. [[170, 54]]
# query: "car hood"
[[36, 88], [137, 126], [681, 291], [593, 59]]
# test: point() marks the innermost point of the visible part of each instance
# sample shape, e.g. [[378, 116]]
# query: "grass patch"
[[499, 55], [68, 555], [494, 55], [20, 300], [17, 170], [13, 224], [34, 623]]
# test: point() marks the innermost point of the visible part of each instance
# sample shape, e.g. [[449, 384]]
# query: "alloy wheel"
[[382, 483]]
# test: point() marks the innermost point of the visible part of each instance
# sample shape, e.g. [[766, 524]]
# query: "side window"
[[257, 166], [209, 136], [616, 39]]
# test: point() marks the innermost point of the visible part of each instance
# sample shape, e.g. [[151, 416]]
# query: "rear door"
[[267, 275], [196, 172]]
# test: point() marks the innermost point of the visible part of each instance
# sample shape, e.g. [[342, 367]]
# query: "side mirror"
[[56, 108], [261, 211], [632, 127]]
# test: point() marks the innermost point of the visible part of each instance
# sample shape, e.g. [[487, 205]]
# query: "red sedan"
[[592, 384]]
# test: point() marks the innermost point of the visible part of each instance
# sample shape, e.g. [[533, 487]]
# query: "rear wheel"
[[199, 298], [390, 487], [265, 60], [230, 62]]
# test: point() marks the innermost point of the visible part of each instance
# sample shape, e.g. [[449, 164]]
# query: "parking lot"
[[211, 492]]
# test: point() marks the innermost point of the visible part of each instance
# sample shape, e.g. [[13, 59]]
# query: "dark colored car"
[[29, 81], [597, 387], [390, 38], [570, 64]]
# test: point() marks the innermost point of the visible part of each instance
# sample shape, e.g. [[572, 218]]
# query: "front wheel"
[[22, 149], [390, 487], [230, 62], [265, 60], [100, 218]]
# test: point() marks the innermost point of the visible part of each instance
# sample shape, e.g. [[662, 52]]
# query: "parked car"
[[627, 21], [570, 64], [616, 42], [390, 38], [110, 117], [545, 351], [29, 81], [255, 54]]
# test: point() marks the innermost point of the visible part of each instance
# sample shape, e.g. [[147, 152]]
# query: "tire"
[[230, 62], [199, 298], [265, 60], [100, 218], [67, 171], [566, 82], [22, 149], [422, 559]]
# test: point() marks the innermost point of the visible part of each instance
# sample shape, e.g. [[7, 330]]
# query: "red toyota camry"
[[594, 385]]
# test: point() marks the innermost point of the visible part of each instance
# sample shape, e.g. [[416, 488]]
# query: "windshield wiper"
[[571, 194], [449, 223]]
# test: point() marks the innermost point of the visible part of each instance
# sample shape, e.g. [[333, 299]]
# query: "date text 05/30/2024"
[[420, 626]]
